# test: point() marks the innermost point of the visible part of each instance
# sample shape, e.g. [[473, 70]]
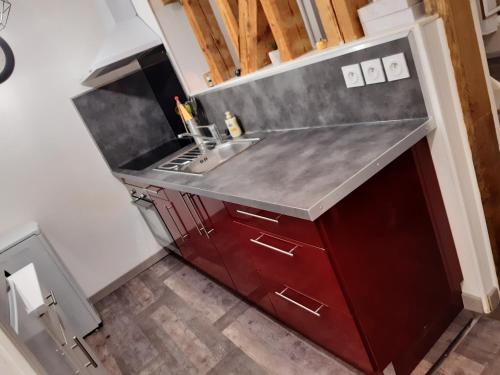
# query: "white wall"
[[50, 169], [179, 41], [454, 167]]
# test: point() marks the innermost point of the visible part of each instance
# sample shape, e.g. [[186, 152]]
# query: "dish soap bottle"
[[232, 125]]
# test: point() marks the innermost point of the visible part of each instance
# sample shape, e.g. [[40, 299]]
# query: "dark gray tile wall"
[[316, 95], [124, 118]]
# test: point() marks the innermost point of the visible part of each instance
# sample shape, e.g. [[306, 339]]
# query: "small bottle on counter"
[[232, 125]]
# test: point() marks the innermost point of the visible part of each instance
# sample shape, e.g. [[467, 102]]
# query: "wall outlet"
[[373, 71], [395, 67], [353, 76]]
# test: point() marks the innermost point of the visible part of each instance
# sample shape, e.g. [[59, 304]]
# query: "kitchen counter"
[[300, 173]]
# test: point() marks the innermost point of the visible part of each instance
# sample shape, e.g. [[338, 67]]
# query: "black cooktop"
[[145, 160]]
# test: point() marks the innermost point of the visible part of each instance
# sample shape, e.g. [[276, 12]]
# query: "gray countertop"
[[300, 173]]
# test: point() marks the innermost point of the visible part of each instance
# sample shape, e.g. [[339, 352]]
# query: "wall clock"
[[6, 60]]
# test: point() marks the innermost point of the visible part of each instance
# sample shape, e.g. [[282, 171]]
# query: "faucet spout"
[[216, 137], [186, 135]]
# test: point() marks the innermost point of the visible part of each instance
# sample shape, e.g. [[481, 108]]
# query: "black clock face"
[[6, 60]]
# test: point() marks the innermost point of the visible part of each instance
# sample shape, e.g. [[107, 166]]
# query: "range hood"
[[128, 38]]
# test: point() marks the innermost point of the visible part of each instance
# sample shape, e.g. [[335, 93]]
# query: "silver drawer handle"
[[198, 213], [257, 242], [52, 298], [314, 312], [168, 206], [260, 217], [79, 345], [190, 213]]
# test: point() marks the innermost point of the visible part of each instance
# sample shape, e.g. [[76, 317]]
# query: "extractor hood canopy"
[[129, 37]]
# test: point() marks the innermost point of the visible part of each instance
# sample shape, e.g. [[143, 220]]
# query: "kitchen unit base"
[[375, 280], [391, 247]]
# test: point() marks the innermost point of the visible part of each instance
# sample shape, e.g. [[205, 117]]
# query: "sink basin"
[[194, 161]]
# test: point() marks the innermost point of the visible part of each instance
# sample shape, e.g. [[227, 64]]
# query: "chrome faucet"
[[216, 137]]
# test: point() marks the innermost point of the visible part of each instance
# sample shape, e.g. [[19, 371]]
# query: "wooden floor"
[[171, 319]]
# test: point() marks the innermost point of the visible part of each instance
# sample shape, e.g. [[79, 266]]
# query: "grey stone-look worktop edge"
[[322, 205], [369, 171]]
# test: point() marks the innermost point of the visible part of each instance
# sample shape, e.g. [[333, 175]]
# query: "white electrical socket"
[[373, 71], [395, 67], [352, 75]]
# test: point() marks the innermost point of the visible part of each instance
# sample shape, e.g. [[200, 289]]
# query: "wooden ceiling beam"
[[329, 22], [347, 17], [230, 15], [209, 36], [288, 27], [256, 38]]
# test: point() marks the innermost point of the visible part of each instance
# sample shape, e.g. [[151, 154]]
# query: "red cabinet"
[[375, 279], [226, 236], [304, 291], [299, 229], [172, 219], [283, 261], [183, 215]]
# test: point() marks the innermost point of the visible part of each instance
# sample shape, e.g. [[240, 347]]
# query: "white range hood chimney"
[[129, 37]]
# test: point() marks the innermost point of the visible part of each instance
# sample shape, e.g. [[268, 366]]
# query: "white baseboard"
[[475, 303]]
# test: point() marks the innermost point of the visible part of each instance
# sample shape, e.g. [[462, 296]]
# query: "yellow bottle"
[[232, 125]]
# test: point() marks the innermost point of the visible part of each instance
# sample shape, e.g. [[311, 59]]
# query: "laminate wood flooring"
[[171, 319]]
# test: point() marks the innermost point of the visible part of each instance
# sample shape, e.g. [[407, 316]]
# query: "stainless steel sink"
[[195, 161]]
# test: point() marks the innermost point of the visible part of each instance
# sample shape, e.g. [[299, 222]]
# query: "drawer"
[[297, 229], [155, 192], [326, 326], [284, 261], [150, 190]]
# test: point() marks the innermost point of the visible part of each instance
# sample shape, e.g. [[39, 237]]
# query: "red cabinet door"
[[171, 219], [304, 291], [196, 246], [224, 233]]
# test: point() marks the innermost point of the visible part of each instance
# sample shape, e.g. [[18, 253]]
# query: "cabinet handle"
[[167, 208], [190, 213], [180, 220], [314, 312], [270, 247], [200, 217], [79, 345], [52, 297], [276, 221], [200, 214]]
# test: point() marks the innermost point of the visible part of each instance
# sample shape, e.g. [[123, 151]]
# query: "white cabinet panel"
[[53, 275]]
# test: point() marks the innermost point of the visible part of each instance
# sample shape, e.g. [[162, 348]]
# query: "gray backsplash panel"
[[316, 95], [124, 118]]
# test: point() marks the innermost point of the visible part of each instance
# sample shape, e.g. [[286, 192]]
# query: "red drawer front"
[[155, 192], [300, 266], [297, 229], [328, 327]]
